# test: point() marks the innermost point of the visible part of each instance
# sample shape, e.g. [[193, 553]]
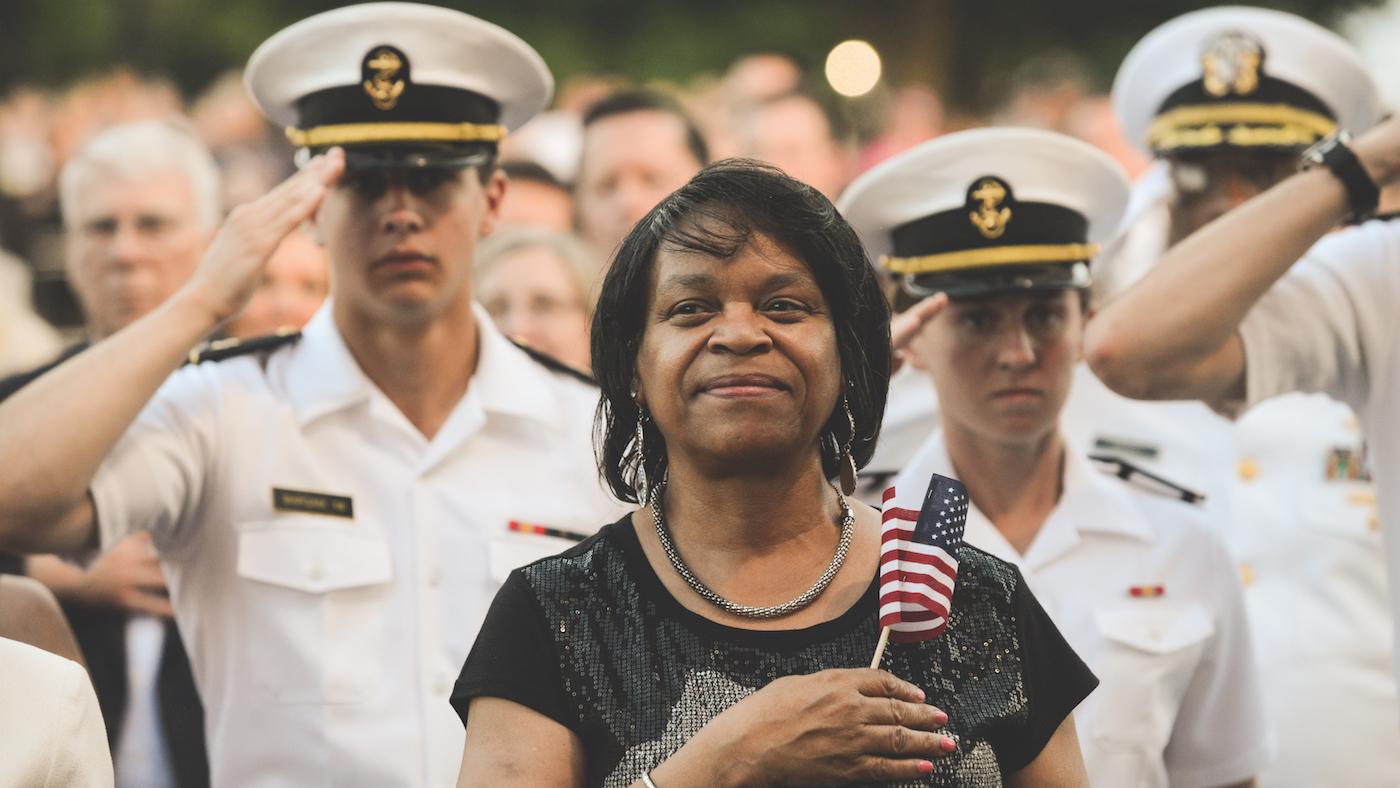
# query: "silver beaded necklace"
[[848, 527]]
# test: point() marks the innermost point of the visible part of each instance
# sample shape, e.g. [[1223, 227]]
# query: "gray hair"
[[583, 264], [133, 151]]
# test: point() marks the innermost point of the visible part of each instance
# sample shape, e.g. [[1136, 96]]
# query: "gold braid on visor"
[[405, 131], [1200, 125], [1028, 254]]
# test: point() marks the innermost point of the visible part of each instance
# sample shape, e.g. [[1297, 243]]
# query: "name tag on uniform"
[[312, 503], [1130, 448]]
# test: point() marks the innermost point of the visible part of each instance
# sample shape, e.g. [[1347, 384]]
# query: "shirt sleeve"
[[1318, 328], [1221, 735], [153, 479], [1056, 681], [514, 657]]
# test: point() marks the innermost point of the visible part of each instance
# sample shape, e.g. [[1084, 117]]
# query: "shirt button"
[[1248, 469], [442, 685], [434, 577], [317, 572]]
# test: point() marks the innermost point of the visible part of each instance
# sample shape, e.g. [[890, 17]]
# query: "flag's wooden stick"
[[880, 647]]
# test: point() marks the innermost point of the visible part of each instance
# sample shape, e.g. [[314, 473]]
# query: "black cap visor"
[[974, 282], [408, 156]]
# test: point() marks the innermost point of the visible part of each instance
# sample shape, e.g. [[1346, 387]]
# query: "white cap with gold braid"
[[1241, 77], [987, 210], [397, 73]]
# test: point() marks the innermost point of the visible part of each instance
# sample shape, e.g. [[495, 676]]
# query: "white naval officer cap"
[[382, 79], [989, 210], [1241, 77]]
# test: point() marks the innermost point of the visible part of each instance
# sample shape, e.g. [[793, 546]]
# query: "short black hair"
[[526, 170], [718, 213], [628, 101]]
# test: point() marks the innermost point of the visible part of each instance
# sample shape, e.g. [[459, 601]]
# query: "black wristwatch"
[[1333, 153]]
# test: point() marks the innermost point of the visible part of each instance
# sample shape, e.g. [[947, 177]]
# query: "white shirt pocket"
[[1148, 653], [317, 604]]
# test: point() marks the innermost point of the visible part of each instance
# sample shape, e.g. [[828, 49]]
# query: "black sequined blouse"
[[592, 639]]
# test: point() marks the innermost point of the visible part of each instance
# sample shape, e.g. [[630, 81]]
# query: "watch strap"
[[1362, 192]]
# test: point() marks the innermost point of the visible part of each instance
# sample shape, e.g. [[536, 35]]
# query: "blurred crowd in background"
[[581, 174], [762, 106]]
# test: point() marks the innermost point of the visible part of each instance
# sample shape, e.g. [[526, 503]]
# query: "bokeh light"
[[853, 68]]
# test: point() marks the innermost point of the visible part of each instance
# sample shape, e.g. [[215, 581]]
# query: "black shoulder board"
[[555, 365], [1147, 480], [221, 349]]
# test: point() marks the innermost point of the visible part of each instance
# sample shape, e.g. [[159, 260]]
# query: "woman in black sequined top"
[[738, 323]]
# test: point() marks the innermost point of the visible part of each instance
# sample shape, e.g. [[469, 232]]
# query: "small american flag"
[[919, 559]]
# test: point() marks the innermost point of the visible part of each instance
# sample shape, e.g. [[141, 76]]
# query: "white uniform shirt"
[[325, 632], [1330, 326], [1312, 563], [142, 758], [1178, 702], [1182, 441], [1308, 542]]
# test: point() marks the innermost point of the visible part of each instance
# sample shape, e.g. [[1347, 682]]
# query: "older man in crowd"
[[805, 134], [638, 147], [140, 202]]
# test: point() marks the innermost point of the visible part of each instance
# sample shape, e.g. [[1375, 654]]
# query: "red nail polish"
[[925, 767], [940, 718], [949, 745]]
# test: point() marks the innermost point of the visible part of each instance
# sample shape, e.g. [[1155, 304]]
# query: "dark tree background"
[[963, 47]]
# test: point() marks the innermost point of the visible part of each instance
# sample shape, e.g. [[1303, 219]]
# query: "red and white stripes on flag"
[[919, 558]]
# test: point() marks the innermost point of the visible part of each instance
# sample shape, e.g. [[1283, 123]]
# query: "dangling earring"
[[641, 478], [847, 461]]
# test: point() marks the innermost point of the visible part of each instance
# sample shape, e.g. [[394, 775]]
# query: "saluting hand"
[[233, 264], [832, 727], [907, 324]]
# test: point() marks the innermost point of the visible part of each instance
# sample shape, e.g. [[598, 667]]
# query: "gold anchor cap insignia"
[[1231, 63], [385, 70], [989, 214]]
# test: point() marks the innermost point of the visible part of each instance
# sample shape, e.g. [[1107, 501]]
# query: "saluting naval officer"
[[1225, 99], [332, 511], [1004, 222], [1282, 309]]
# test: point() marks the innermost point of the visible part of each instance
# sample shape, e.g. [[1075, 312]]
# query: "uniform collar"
[[1092, 503], [326, 378], [508, 381]]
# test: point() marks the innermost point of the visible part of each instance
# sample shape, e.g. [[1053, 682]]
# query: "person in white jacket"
[[51, 731]]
